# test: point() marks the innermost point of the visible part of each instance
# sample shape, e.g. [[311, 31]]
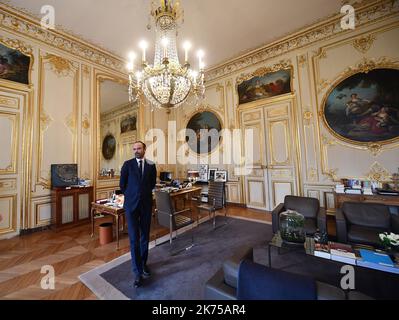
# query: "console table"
[[340, 198], [70, 206]]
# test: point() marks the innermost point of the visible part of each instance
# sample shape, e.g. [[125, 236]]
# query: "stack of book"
[[367, 191], [377, 260], [353, 191], [342, 253], [322, 250], [340, 188]]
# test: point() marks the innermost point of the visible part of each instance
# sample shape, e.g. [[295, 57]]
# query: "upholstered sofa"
[[224, 283], [315, 217], [361, 223]]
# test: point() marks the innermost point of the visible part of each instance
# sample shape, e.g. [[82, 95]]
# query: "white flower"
[[391, 237]]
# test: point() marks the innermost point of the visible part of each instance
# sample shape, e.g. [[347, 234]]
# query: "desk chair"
[[216, 200], [169, 218]]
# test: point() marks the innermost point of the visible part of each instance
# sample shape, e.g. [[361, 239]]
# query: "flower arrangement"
[[389, 240]]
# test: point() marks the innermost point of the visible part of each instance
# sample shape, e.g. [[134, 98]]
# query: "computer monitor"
[[64, 175], [165, 176]]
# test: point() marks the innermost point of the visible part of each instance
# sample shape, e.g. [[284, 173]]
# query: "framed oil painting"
[[265, 86], [129, 124], [203, 132], [364, 108], [109, 147], [14, 66]]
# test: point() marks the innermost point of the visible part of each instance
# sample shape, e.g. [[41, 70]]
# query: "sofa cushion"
[[310, 226], [364, 235], [231, 266], [308, 207], [257, 282], [367, 214], [217, 289]]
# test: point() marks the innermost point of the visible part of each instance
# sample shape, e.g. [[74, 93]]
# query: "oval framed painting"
[[364, 107], [203, 132], [109, 147]]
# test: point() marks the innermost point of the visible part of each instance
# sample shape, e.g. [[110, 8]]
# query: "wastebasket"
[[105, 233]]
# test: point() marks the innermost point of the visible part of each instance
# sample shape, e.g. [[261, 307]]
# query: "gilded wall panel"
[[42, 212], [256, 194], [9, 142], [8, 185], [58, 126], [8, 214], [280, 142], [9, 102], [280, 190], [233, 192], [215, 97]]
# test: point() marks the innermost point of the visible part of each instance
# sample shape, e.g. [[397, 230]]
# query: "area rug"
[[183, 276], [179, 276]]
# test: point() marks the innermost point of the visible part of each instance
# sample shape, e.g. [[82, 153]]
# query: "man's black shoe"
[[138, 282], [146, 272]]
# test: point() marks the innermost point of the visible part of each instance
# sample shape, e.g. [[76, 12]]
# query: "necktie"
[[141, 169]]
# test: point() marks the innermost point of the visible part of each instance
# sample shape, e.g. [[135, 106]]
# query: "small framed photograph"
[[203, 173], [221, 176], [355, 184], [211, 174]]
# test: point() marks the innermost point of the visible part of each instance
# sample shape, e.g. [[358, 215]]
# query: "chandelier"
[[166, 83]]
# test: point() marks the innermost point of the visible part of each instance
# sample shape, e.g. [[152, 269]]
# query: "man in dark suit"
[[138, 178]]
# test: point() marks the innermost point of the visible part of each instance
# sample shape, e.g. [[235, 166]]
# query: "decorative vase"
[[292, 227]]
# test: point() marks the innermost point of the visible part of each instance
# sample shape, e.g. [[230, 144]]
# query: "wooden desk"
[[182, 194], [340, 198], [116, 212]]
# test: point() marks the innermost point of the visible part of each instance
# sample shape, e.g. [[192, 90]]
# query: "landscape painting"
[[14, 66], [129, 124], [269, 85], [364, 108]]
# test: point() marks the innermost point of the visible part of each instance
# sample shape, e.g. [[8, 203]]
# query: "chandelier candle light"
[[166, 83]]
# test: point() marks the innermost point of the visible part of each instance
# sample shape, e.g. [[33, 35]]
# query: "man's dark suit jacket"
[[136, 190]]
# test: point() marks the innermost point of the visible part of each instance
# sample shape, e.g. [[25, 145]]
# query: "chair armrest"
[[322, 220], [275, 217], [342, 232], [395, 223], [183, 211]]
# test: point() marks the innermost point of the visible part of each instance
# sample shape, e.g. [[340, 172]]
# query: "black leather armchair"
[[359, 222], [224, 283], [315, 217]]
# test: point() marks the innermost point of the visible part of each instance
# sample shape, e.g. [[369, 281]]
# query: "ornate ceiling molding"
[[364, 44], [61, 66], [16, 21], [367, 12], [284, 64], [17, 45], [121, 110]]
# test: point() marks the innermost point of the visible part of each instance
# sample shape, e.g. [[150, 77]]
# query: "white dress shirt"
[[143, 164]]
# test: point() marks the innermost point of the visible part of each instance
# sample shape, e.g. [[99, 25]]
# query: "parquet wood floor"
[[71, 253]]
